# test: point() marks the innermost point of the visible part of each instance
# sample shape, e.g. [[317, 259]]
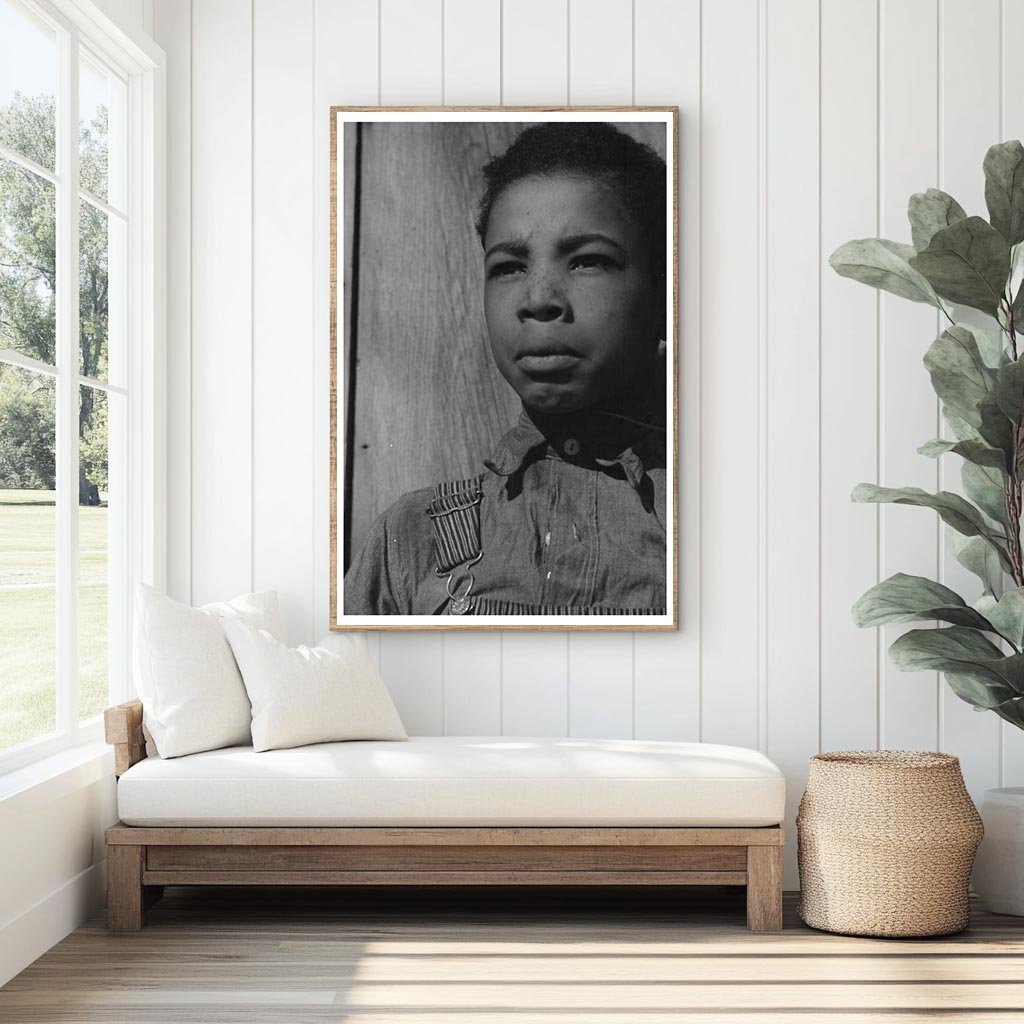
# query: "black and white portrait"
[[503, 368]]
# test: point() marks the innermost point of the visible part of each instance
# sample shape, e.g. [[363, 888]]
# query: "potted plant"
[[978, 374]]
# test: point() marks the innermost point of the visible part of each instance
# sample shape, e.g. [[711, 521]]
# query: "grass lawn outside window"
[[28, 596]]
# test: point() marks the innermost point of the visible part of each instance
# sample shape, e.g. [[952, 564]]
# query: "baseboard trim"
[[26, 937]]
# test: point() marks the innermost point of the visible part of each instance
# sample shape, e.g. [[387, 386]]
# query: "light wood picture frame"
[[461, 496]]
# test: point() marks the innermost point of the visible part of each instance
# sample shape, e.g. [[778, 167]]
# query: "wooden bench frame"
[[142, 860]]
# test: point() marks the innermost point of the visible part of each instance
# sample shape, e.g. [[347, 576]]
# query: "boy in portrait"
[[567, 514]]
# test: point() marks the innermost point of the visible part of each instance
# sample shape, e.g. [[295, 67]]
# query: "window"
[[78, 260]]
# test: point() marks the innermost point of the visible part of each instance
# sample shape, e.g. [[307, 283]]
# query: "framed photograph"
[[504, 345]]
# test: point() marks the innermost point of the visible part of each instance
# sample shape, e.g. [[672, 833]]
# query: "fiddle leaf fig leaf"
[[959, 374], [1006, 614], [1004, 189], [1009, 390], [973, 451], [920, 650], [967, 263], [996, 428], [1017, 309], [976, 555], [1011, 711], [984, 486], [929, 212], [982, 693], [952, 509], [1013, 285], [962, 430], [883, 264], [936, 447], [990, 345], [903, 598], [964, 652]]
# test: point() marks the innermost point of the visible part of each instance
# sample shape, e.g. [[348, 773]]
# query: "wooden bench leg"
[[764, 888], [125, 897]]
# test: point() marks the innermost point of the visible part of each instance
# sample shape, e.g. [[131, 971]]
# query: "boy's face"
[[573, 312]]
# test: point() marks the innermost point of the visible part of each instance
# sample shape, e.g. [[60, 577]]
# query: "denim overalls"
[[568, 518]]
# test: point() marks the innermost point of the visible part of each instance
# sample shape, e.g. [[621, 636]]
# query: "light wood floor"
[[271, 955]]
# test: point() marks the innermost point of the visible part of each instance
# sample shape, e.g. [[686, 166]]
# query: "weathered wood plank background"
[[428, 403]]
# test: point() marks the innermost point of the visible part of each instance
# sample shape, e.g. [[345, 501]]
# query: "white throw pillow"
[[309, 694], [192, 693]]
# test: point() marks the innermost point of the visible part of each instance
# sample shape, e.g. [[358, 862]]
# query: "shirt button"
[[571, 447]]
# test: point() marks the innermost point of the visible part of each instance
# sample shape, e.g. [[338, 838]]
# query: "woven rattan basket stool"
[[885, 842]]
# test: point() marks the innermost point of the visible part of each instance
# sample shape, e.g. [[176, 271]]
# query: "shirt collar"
[[516, 446], [631, 436]]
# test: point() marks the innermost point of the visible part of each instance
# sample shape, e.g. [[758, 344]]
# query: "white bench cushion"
[[459, 780]]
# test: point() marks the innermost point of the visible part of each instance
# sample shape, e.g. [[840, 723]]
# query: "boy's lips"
[[545, 356], [542, 362]]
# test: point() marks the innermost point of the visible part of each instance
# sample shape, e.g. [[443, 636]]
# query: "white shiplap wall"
[[803, 123]]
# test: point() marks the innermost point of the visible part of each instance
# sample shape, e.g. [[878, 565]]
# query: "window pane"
[[101, 279], [28, 263], [28, 85], [93, 551], [101, 104], [28, 546]]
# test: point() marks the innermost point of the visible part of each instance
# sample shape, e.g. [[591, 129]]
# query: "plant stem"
[[1013, 483]]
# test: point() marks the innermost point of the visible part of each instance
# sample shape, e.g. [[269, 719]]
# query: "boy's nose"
[[542, 300]]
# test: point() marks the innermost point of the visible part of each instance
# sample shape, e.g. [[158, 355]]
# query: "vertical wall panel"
[[221, 527], [346, 73], [534, 52], [666, 666], [601, 684], [534, 696], [535, 674], [283, 306], [472, 52], [1012, 127], [909, 140], [969, 124], [600, 666], [794, 266], [412, 665], [849, 373], [792, 385], [472, 684], [472, 661], [173, 30], [600, 52], [730, 274], [410, 51], [411, 72]]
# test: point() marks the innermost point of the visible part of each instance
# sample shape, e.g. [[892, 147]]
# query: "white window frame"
[[141, 64]]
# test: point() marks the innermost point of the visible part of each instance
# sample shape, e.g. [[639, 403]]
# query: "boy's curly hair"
[[590, 149]]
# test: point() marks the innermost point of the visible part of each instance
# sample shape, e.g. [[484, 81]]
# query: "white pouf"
[[999, 866]]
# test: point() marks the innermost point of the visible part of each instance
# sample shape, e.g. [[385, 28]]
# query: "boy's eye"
[[504, 269], [593, 259]]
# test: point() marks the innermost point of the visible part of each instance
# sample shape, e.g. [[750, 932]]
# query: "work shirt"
[[572, 522]]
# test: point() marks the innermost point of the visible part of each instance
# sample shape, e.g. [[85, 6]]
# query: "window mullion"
[[67, 387]]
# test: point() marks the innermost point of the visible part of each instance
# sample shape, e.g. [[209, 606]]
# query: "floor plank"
[[500, 956]]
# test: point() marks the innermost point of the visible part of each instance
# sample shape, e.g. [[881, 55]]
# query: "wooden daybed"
[[144, 858]]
